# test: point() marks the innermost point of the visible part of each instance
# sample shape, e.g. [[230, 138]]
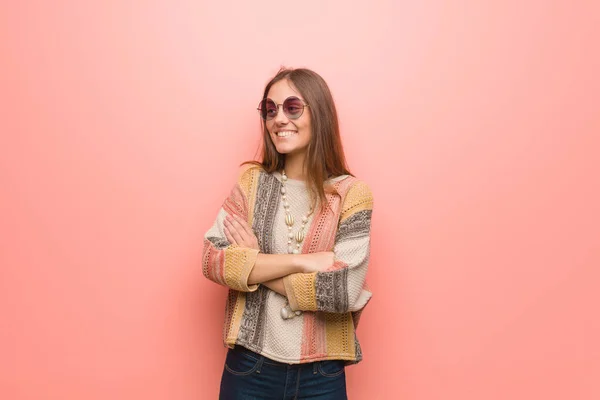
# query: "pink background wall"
[[476, 123]]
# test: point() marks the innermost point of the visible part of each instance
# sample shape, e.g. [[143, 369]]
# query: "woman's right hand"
[[316, 262]]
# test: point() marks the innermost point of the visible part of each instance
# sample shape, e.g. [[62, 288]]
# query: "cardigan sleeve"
[[342, 288], [222, 262]]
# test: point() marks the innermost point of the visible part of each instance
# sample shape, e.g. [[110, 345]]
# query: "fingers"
[[232, 233], [234, 224], [242, 228], [230, 238], [240, 232], [243, 224]]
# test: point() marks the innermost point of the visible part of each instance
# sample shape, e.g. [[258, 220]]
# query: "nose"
[[281, 118]]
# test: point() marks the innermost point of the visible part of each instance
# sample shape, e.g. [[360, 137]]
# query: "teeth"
[[285, 133]]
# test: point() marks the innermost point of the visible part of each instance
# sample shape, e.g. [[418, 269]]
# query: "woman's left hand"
[[238, 232]]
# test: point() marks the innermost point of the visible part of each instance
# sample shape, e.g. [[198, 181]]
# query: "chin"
[[284, 150]]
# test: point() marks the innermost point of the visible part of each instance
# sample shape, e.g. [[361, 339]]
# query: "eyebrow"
[[298, 97]]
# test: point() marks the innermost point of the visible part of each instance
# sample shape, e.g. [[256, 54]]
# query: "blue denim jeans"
[[249, 376]]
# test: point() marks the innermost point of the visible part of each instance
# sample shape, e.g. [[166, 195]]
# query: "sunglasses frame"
[[304, 105]]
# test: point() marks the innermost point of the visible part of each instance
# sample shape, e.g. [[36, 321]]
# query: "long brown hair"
[[325, 154]]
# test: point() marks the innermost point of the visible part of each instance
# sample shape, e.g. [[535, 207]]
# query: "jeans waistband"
[[267, 360]]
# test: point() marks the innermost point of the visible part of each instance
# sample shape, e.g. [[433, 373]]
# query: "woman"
[[291, 242]]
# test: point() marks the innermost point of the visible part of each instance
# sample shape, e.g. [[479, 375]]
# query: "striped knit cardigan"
[[331, 301]]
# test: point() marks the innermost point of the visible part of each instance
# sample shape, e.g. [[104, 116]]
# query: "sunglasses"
[[293, 108]]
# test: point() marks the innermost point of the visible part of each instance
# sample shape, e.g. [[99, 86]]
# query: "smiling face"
[[290, 136]]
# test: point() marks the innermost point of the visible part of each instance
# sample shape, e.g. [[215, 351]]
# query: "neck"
[[294, 167]]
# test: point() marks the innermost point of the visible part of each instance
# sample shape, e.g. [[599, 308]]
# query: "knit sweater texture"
[[331, 301]]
